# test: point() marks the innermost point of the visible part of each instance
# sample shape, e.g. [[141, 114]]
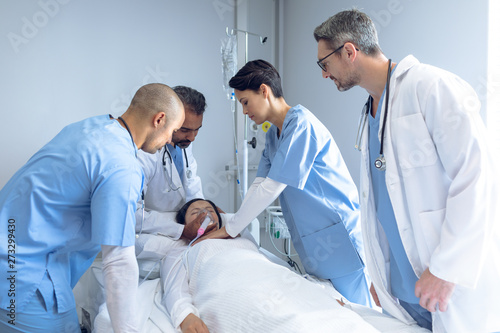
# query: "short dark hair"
[[255, 73], [191, 98], [181, 214]]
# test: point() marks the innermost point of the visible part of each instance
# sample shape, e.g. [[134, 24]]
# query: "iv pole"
[[245, 135]]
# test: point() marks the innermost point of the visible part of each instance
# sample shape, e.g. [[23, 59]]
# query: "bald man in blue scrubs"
[[75, 197]]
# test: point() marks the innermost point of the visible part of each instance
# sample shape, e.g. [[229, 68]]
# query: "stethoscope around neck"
[[169, 175], [170, 186], [379, 161]]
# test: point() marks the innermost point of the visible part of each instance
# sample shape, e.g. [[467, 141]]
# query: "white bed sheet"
[[154, 317], [236, 289], [89, 296]]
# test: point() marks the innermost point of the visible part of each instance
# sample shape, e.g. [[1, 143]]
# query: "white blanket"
[[237, 289]]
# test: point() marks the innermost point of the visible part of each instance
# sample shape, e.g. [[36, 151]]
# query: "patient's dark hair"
[[255, 73], [181, 214]]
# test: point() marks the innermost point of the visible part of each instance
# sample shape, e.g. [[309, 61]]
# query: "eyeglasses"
[[320, 61]]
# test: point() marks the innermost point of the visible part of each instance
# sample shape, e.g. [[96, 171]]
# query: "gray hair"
[[349, 26]]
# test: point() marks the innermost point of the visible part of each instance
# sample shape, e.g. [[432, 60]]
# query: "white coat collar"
[[404, 65], [401, 68]]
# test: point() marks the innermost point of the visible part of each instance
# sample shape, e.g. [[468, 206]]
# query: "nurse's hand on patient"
[[193, 324], [216, 234], [433, 291]]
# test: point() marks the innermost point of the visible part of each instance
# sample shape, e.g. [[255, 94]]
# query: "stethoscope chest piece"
[[380, 163], [380, 160], [189, 173]]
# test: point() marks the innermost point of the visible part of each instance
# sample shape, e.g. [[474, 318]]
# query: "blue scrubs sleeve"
[[113, 206], [296, 154]]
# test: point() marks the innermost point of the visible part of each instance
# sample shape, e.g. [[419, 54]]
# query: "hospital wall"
[[65, 60]]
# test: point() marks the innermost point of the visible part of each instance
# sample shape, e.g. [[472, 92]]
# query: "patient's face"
[[192, 221]]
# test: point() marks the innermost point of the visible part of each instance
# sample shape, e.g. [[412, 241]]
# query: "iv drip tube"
[[245, 132]]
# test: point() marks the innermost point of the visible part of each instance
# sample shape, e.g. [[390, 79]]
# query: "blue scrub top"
[[320, 203], [403, 277], [76, 193]]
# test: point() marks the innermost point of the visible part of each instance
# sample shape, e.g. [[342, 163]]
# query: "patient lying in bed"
[[229, 286]]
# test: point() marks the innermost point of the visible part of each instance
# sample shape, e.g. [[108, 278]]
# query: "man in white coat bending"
[[428, 185], [170, 180]]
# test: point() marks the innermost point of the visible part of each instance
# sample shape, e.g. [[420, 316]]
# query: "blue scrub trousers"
[[421, 315], [35, 318], [354, 287]]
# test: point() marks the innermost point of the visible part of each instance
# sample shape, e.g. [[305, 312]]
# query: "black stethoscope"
[[379, 161], [170, 180]]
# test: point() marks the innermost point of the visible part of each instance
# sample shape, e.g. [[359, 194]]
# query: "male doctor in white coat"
[[429, 190], [170, 180]]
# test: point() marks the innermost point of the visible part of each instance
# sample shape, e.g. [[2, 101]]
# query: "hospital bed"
[[90, 299], [153, 316]]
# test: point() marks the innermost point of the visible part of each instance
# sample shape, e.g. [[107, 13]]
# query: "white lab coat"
[[162, 205], [444, 190]]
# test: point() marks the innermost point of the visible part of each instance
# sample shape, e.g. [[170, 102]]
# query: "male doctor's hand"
[[433, 291]]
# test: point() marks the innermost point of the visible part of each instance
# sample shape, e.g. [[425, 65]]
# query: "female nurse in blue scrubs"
[[303, 166]]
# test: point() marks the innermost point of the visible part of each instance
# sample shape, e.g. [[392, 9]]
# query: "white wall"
[[63, 61], [448, 34]]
